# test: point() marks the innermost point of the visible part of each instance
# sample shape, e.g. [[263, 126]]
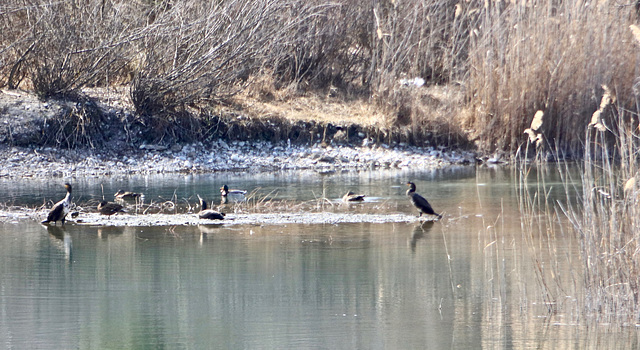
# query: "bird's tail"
[[44, 221]]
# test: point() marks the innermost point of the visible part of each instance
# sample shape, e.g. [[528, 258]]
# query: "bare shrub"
[[79, 124], [197, 52], [62, 46]]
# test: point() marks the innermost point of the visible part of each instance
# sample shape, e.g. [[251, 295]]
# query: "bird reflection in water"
[[62, 235], [205, 230], [418, 232], [103, 232]]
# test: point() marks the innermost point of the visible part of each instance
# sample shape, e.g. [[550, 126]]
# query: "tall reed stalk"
[[600, 211]]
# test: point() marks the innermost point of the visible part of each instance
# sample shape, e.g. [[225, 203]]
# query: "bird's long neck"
[[67, 198], [204, 205], [411, 191]]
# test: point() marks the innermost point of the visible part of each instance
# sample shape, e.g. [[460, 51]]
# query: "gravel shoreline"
[[259, 156], [25, 121]]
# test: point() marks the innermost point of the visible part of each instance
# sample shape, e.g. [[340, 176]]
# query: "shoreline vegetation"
[[458, 75]]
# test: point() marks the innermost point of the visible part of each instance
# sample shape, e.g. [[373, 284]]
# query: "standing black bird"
[[352, 197], [61, 209], [208, 213], [420, 202], [109, 208]]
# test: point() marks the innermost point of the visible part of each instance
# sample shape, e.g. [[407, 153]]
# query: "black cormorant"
[[420, 202], [208, 213], [61, 209]]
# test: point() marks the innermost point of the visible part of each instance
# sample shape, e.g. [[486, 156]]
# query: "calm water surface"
[[460, 283]]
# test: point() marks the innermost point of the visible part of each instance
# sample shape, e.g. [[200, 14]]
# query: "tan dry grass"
[[314, 108], [433, 103]]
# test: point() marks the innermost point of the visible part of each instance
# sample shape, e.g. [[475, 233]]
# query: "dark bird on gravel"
[[61, 209], [420, 202], [352, 197], [122, 195], [109, 208], [208, 213]]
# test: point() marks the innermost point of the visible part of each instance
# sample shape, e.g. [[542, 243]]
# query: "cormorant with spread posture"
[[61, 209], [352, 197], [420, 202], [109, 208], [208, 213]]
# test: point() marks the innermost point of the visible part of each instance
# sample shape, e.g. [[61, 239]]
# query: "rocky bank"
[[32, 144]]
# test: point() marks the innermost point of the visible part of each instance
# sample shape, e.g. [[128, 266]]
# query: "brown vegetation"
[[600, 211], [497, 62]]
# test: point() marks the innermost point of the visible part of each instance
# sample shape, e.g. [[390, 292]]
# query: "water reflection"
[[66, 244], [206, 230], [449, 284], [419, 230], [105, 231]]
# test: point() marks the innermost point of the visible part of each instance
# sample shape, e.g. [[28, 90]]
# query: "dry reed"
[[600, 212]]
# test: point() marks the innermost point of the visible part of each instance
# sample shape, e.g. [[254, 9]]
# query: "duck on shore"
[[60, 210], [352, 197], [420, 202], [110, 208], [206, 213]]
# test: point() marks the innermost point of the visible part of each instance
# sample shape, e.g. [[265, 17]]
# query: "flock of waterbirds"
[[62, 208]]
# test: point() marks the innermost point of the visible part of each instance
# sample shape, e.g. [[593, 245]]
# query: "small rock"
[[327, 159]]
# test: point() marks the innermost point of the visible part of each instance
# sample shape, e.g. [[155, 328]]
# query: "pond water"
[[463, 282]]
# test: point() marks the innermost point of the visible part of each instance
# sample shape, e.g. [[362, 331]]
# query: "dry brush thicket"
[[506, 59]]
